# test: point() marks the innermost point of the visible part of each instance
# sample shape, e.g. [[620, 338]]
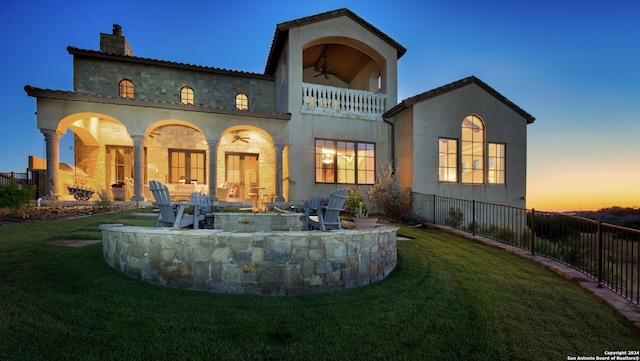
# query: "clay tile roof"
[[117, 100], [282, 32], [453, 86], [133, 59]]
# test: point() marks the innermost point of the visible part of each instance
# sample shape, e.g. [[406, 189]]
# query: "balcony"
[[341, 101]]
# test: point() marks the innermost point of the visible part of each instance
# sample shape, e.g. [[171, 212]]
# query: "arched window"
[[242, 101], [472, 157], [186, 95], [126, 88]]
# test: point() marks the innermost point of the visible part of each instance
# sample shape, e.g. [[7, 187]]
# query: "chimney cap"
[[117, 30]]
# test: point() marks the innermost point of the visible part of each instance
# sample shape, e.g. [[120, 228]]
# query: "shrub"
[[355, 202], [51, 200], [393, 201], [103, 199], [18, 197], [456, 217], [552, 227]]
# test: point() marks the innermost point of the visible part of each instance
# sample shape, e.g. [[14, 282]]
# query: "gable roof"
[[282, 33], [453, 86]]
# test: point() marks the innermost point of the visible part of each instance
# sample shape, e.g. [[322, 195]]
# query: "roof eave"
[[282, 31], [453, 86], [116, 100]]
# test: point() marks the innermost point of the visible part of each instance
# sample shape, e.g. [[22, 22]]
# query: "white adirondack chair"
[[201, 203], [328, 217], [171, 214], [311, 209]]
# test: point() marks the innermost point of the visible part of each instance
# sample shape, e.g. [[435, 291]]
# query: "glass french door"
[[241, 170], [120, 161]]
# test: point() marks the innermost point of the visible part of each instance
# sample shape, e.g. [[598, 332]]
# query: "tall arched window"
[[472, 157], [126, 88], [242, 101], [186, 95]]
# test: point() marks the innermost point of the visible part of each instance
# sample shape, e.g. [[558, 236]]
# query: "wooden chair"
[[328, 217], [168, 216], [311, 209], [201, 203]]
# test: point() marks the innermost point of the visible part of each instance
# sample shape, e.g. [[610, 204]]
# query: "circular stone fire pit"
[[251, 262]]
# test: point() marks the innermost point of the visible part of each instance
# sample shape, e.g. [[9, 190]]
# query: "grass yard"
[[448, 299]]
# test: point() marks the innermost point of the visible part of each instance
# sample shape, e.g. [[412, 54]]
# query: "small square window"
[[126, 88], [242, 101], [186, 95]]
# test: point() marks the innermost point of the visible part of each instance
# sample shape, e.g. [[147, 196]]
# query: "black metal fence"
[[5, 178], [34, 178], [608, 253]]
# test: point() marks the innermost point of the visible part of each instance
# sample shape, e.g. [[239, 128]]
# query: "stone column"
[[138, 171], [213, 169], [279, 149], [52, 139]]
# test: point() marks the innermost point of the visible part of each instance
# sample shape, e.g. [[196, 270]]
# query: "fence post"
[[600, 254], [533, 235], [473, 217], [434, 209]]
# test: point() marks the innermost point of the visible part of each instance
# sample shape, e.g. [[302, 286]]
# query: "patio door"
[[120, 164], [241, 169]]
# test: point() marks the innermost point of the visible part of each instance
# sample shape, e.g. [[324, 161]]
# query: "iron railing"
[[607, 253], [24, 178]]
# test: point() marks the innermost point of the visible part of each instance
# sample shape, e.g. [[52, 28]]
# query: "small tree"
[[390, 197], [355, 202]]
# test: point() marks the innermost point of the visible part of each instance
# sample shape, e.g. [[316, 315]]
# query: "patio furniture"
[[311, 209], [202, 207], [326, 217], [223, 190], [171, 213]]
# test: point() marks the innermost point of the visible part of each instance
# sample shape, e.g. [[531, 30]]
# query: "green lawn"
[[448, 299]]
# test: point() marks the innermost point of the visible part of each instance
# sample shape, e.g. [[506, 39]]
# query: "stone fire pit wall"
[[259, 263]]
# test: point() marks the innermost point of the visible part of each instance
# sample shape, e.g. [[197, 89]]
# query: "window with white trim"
[[497, 162], [472, 150], [448, 160]]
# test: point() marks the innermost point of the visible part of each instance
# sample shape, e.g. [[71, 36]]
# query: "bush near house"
[[18, 197], [355, 202], [393, 201]]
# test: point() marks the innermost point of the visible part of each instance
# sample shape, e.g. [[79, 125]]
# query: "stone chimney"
[[115, 43]]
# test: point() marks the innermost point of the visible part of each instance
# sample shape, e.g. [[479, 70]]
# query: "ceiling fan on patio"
[[239, 137], [323, 69]]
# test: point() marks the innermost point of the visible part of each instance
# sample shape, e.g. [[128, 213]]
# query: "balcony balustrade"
[[341, 100]]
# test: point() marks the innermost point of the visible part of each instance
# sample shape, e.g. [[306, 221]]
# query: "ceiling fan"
[[239, 137], [323, 70]]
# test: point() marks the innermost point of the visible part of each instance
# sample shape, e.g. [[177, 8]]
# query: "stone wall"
[[162, 81], [259, 263], [254, 222]]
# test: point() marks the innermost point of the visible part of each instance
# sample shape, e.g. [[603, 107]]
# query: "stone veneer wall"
[[162, 81], [259, 263], [256, 222]]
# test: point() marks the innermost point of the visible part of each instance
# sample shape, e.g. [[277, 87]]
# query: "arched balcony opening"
[[343, 76]]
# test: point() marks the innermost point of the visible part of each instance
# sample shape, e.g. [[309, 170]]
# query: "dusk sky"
[[573, 65]]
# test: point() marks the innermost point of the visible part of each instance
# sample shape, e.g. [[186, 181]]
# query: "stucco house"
[[323, 115]]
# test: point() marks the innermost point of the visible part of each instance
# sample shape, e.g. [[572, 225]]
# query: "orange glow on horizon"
[[573, 196]]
